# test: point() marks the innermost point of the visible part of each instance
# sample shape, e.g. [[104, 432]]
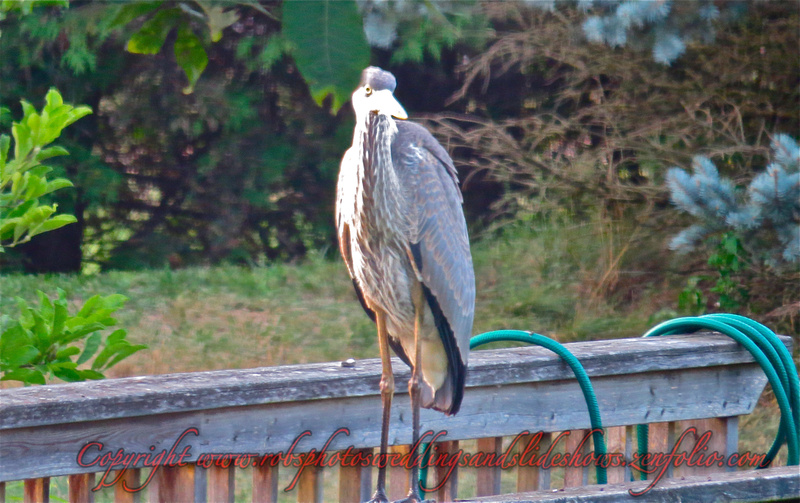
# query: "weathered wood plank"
[[352, 486], [265, 483], [488, 477], [660, 395], [130, 477], [660, 440], [577, 446], [446, 476], [616, 438], [530, 476], [731, 438], [704, 461], [80, 488], [774, 484], [148, 395], [397, 487], [220, 484], [173, 484], [259, 429], [309, 486], [527, 472], [37, 490]]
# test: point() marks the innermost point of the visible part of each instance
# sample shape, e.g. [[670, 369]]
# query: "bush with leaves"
[[40, 344], [23, 178]]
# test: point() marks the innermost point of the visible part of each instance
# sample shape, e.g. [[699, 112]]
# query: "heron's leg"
[[414, 388], [387, 390]]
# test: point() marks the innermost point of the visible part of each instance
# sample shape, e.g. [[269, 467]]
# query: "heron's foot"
[[379, 497]]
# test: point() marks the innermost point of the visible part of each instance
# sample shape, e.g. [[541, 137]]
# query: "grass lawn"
[[570, 282]]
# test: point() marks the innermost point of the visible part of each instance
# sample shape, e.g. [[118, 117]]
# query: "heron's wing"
[[438, 232], [345, 208]]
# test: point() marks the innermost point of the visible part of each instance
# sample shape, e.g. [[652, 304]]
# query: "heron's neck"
[[380, 188]]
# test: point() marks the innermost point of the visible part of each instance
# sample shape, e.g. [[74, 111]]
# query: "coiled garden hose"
[[766, 348], [773, 358], [577, 369]]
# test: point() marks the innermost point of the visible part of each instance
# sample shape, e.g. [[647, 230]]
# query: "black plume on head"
[[378, 79]]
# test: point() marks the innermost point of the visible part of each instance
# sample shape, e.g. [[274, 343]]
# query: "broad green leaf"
[[124, 353], [58, 183], [21, 209], [191, 55], [116, 336], [92, 344], [90, 374], [107, 353], [66, 374], [51, 152], [19, 356], [89, 306], [81, 330], [330, 49], [53, 99], [59, 317], [5, 143], [14, 337], [67, 352], [153, 33], [56, 222], [28, 376]]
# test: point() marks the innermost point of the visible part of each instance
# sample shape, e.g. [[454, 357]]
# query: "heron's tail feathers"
[[446, 399]]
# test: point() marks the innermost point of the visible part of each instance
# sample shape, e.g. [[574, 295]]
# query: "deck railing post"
[[80, 488], [355, 481], [265, 481], [488, 479], [37, 490]]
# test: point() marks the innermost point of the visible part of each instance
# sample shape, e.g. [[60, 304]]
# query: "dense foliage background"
[[216, 134]]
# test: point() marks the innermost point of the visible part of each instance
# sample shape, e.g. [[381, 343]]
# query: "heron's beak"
[[385, 103]]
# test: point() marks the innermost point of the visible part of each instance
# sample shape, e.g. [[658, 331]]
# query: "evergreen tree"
[[765, 217], [666, 27]]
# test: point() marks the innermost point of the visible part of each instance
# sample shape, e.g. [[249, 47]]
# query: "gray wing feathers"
[[437, 226]]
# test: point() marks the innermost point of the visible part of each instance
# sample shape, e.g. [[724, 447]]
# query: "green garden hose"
[[774, 359], [766, 348], [577, 369]]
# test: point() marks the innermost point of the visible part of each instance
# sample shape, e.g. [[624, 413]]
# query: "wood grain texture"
[[704, 447], [36, 490], [530, 399], [309, 486], [446, 475], [131, 479], [773, 484], [577, 446], [80, 488], [355, 482], [148, 395], [531, 477], [488, 478], [220, 484], [398, 485], [616, 439], [265, 483], [174, 484]]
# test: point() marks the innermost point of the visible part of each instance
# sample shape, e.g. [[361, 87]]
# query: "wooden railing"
[[671, 383]]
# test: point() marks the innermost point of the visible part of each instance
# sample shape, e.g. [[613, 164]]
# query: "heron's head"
[[374, 94]]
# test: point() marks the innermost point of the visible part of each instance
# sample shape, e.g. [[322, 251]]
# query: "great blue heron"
[[404, 239]]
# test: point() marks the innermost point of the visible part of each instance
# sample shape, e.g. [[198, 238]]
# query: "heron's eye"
[[368, 90]]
